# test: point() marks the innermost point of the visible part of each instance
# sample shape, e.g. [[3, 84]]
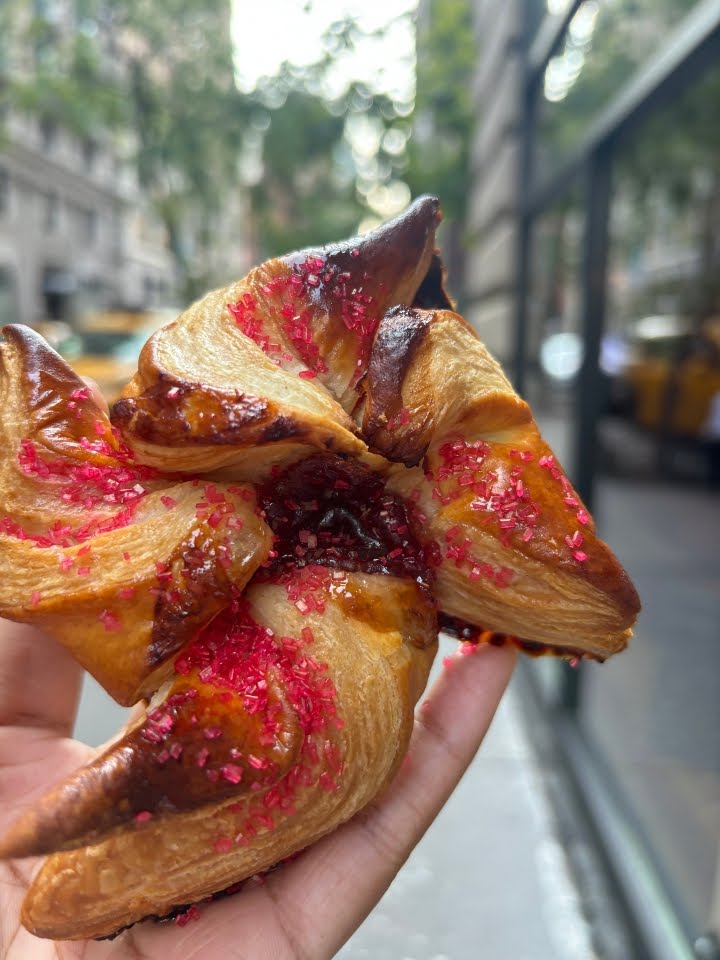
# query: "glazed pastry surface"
[[311, 470]]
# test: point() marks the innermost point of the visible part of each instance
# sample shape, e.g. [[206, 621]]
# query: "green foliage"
[[300, 201], [438, 155], [674, 155], [159, 77], [313, 188]]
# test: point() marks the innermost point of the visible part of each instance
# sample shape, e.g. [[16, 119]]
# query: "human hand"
[[306, 909]]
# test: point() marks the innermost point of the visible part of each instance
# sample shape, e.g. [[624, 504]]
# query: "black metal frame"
[[689, 50]]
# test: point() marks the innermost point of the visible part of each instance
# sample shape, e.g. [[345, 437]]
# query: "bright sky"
[[266, 32]]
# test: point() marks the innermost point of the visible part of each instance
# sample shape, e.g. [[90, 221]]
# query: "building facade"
[[492, 222], [74, 236], [76, 232], [556, 165]]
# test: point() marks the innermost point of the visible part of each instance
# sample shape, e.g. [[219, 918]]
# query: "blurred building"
[[76, 232], [594, 212], [495, 158]]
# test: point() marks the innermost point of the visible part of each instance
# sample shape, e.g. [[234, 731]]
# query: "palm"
[[309, 907]]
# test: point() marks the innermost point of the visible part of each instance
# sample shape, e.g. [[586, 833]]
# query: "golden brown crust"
[[429, 374], [165, 561], [212, 749], [181, 857], [516, 550], [228, 410], [120, 565], [393, 470], [295, 335]]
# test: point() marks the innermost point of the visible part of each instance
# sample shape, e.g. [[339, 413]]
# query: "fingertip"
[[476, 664], [460, 705]]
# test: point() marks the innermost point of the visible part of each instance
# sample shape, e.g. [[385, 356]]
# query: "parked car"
[[669, 376], [106, 347]]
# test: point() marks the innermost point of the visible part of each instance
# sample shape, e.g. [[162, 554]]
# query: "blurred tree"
[[443, 120], [328, 145], [160, 77], [673, 161], [318, 149], [301, 193]]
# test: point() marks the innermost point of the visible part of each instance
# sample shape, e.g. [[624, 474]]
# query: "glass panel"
[[655, 711], [554, 349], [606, 42]]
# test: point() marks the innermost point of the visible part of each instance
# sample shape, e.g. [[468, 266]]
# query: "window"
[[89, 153], [48, 133], [52, 212], [88, 225], [4, 192]]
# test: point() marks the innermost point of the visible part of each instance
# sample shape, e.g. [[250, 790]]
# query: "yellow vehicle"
[[106, 347], [672, 375]]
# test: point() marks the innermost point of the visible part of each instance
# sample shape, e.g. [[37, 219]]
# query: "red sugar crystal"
[[192, 913], [111, 476], [143, 816], [236, 654], [232, 772], [110, 621], [327, 783]]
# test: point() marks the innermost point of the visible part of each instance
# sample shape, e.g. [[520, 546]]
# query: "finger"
[[314, 904], [39, 680], [345, 875]]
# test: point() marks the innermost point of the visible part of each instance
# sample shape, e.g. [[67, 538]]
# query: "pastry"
[[312, 469]]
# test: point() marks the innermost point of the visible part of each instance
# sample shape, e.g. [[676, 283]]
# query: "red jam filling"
[[328, 512]]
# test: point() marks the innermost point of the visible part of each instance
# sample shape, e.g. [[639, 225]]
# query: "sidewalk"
[[490, 880]]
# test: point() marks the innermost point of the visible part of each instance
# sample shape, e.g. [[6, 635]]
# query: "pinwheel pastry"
[[312, 470]]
